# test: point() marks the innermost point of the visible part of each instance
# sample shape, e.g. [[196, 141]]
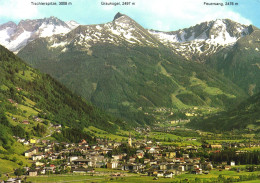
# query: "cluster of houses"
[[150, 158]]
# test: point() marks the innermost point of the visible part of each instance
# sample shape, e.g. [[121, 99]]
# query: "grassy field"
[[6, 166], [251, 149], [119, 136], [164, 137], [98, 179], [104, 175], [215, 174], [251, 181]]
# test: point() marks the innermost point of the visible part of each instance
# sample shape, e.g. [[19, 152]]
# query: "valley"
[[116, 102]]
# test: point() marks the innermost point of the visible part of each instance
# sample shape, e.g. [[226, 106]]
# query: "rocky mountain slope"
[[15, 37], [201, 41]]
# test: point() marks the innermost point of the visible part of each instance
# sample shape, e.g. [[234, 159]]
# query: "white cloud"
[[18, 9]]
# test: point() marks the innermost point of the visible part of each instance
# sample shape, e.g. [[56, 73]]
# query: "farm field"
[[104, 176]]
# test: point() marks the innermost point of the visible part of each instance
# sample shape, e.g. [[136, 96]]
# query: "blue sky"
[[165, 15]]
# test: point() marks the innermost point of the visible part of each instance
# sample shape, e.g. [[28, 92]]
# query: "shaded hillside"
[[245, 116], [241, 63], [24, 90]]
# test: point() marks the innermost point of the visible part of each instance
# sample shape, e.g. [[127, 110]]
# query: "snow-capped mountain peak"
[[121, 31], [15, 37], [196, 42], [203, 39]]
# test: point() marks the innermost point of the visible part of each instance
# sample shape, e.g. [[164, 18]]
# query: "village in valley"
[[146, 157], [167, 151]]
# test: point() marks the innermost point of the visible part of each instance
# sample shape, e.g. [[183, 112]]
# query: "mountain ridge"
[[122, 68], [202, 40], [16, 36]]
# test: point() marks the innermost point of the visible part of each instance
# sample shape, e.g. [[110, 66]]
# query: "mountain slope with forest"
[[30, 101], [244, 117], [122, 68], [241, 63]]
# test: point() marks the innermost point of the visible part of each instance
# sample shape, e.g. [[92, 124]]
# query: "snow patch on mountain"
[[46, 30], [72, 24], [5, 35], [203, 39], [15, 37], [121, 31], [55, 45]]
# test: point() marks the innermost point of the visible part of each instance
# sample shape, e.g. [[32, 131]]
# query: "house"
[[57, 126], [152, 150], [163, 166], [160, 174], [146, 161], [152, 172], [90, 170], [47, 149], [140, 153], [21, 140], [170, 154], [195, 167], [227, 167], [232, 163], [106, 150], [31, 152], [82, 162], [43, 171], [37, 157], [50, 169], [168, 175], [39, 163], [72, 158], [209, 166], [26, 143], [117, 157], [197, 171], [125, 167], [186, 156], [116, 144], [112, 165], [216, 146], [181, 168], [79, 170], [25, 122], [32, 173]]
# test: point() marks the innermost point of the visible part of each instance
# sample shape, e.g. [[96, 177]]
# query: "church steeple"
[[130, 140]]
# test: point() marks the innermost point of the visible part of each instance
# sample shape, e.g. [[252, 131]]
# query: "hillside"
[[244, 117], [30, 100], [122, 68], [241, 63]]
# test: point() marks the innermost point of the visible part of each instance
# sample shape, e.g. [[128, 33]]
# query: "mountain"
[[241, 62], [25, 94], [245, 117], [228, 47], [203, 40], [15, 37], [122, 68], [33, 105]]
